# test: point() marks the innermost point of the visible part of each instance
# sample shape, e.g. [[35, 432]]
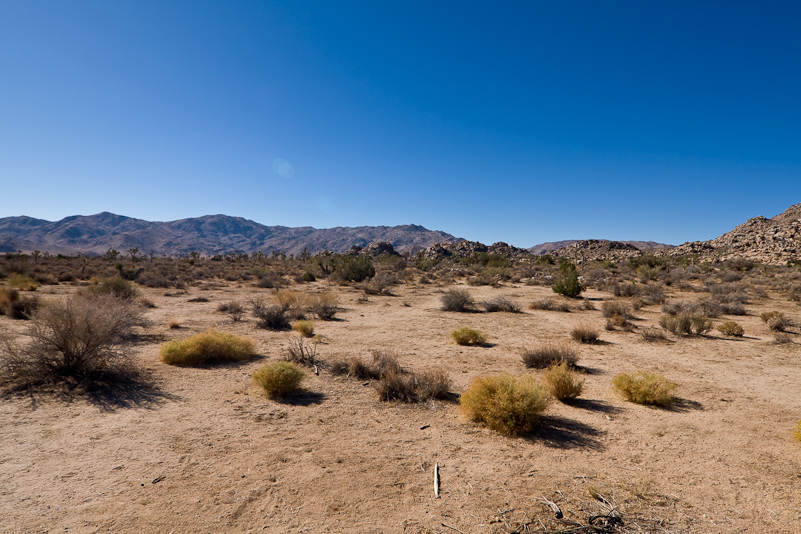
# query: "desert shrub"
[[198, 299], [549, 354], [307, 277], [381, 283], [23, 282], [301, 352], [504, 403], [114, 286], [501, 304], [549, 305], [469, 336], [278, 379], [457, 300], [16, 306], [562, 381], [730, 328], [584, 333], [619, 321], [645, 388], [324, 305], [588, 304], [708, 307], [74, 338], [610, 308], [433, 384], [353, 269], [567, 282], [626, 289], [304, 328], [797, 431], [173, 323], [782, 338], [776, 321], [271, 317], [355, 367], [480, 280], [210, 346], [395, 384], [652, 335], [235, 310], [686, 323], [653, 294], [732, 308]]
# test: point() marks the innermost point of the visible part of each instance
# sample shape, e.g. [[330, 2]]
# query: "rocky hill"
[[547, 248], [463, 249], [208, 235], [773, 241]]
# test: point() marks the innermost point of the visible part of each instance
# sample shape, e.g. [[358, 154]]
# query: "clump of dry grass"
[[585, 333], [304, 328], [776, 321], [504, 403], [234, 309], [562, 381], [549, 354], [456, 300], [469, 336], [782, 338], [278, 379], [686, 323], [22, 282], [645, 388], [173, 323], [731, 329], [325, 306], [501, 304], [207, 347], [653, 335], [611, 308], [550, 304]]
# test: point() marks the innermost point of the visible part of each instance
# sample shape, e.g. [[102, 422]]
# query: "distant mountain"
[[645, 246], [773, 241], [208, 235]]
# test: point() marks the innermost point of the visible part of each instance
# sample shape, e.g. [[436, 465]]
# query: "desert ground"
[[201, 450]]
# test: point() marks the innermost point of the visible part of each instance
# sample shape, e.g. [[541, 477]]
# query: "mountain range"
[[208, 235]]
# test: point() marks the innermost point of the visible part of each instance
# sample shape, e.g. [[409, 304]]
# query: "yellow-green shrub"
[[730, 328], [468, 336], [797, 431], [209, 346], [22, 282], [279, 378], [562, 381], [304, 328], [510, 405], [645, 388]]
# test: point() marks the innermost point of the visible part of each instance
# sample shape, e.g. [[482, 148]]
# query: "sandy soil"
[[202, 451]]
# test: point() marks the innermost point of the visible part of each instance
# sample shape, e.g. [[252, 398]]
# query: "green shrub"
[[562, 381], [510, 405], [457, 300], [468, 336], [567, 282], [730, 328], [207, 347], [645, 388], [278, 379], [353, 269], [549, 354]]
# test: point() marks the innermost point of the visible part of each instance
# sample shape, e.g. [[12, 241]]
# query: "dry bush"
[[686, 323], [653, 335], [173, 323], [674, 307], [325, 306], [776, 321], [74, 338], [610, 308], [433, 384], [279, 379], [797, 431], [645, 388], [782, 338], [234, 309], [588, 305], [210, 346], [381, 284], [653, 294], [469, 336], [562, 381], [16, 306], [456, 300], [625, 289], [270, 317], [549, 354], [294, 303], [504, 403], [730, 328], [304, 328], [501, 304], [584, 333], [549, 305], [22, 282], [301, 352], [114, 286], [198, 299], [397, 386]]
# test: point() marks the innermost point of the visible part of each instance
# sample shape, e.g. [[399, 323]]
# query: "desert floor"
[[201, 451]]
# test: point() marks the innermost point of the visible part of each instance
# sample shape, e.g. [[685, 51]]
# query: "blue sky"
[[521, 122]]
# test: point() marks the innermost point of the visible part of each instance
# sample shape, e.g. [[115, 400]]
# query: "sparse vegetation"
[[304, 328], [645, 388], [549, 305], [17, 306], [456, 300], [562, 381], [731, 329], [501, 304], [469, 336], [301, 351], [114, 286], [776, 321], [584, 333], [611, 308], [504, 403], [270, 317], [653, 335], [22, 282], [210, 346], [549, 354], [686, 323], [278, 379], [234, 309]]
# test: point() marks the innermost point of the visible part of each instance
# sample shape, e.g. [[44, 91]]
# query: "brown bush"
[[584, 333], [550, 305], [548, 354], [456, 300], [610, 308]]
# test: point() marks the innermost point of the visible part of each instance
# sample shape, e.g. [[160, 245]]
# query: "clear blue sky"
[[521, 122]]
